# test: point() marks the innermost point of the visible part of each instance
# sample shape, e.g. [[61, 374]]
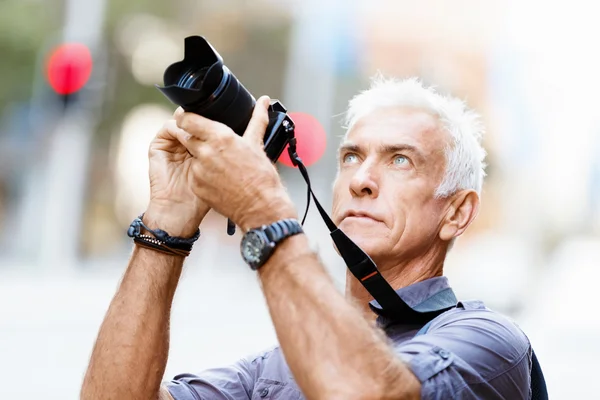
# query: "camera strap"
[[358, 262]]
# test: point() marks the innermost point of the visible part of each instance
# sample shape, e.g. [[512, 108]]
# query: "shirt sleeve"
[[233, 382], [470, 355]]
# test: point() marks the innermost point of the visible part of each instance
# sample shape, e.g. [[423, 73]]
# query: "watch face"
[[252, 247]]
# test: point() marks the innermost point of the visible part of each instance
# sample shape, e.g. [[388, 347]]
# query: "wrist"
[[267, 213], [288, 254], [157, 256], [176, 220]]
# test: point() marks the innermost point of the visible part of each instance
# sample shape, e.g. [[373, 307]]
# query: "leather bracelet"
[[153, 244], [161, 240]]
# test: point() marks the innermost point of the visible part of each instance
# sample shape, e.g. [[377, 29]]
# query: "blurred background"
[[73, 169]]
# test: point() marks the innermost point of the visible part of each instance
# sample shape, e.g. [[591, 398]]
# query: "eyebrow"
[[349, 148], [385, 149]]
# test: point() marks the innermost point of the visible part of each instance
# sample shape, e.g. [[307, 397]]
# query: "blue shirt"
[[468, 352]]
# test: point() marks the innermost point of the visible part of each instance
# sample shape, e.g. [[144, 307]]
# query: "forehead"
[[400, 126]]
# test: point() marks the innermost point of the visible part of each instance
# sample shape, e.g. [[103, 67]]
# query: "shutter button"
[[264, 392]]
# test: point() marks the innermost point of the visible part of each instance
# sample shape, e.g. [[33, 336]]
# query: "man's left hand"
[[232, 173]]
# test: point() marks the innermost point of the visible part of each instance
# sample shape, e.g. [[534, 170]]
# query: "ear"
[[462, 211]]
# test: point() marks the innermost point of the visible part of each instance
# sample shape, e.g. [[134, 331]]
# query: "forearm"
[[130, 354], [332, 350]]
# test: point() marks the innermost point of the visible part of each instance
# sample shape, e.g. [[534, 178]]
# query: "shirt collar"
[[428, 296]]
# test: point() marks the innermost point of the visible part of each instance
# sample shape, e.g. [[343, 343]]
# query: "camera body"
[[202, 84]]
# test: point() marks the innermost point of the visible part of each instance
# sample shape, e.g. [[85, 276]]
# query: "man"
[[409, 176]]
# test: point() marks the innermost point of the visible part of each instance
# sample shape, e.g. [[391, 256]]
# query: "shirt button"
[[264, 392], [444, 354]]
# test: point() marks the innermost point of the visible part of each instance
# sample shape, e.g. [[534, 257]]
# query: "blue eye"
[[350, 158], [400, 160]]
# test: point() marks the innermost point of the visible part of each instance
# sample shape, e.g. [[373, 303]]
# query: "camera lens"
[[192, 79], [202, 84]]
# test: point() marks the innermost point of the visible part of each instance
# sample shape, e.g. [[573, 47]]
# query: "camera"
[[202, 84]]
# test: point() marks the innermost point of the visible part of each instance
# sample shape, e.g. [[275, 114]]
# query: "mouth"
[[360, 215]]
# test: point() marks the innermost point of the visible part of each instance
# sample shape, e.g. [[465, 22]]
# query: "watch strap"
[[271, 235], [282, 229]]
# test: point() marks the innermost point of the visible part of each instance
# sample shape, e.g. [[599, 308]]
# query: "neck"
[[401, 274]]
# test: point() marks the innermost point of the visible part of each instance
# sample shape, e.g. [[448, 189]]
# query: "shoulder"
[[473, 351], [478, 326]]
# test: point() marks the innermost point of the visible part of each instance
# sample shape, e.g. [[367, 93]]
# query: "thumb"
[[255, 132], [178, 112]]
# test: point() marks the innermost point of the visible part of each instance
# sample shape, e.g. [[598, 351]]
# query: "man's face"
[[391, 164]]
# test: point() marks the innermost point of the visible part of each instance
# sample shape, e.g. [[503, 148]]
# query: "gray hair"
[[465, 165]]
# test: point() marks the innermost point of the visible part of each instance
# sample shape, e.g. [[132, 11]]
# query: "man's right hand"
[[173, 205]]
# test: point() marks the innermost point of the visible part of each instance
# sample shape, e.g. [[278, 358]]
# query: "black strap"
[[539, 391], [282, 229]]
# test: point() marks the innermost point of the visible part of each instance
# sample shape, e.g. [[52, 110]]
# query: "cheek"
[[339, 193], [410, 208], [424, 221]]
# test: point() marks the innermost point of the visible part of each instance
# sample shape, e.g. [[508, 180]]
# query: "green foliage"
[[24, 28]]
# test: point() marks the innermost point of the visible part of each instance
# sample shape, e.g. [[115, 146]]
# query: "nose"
[[364, 182]]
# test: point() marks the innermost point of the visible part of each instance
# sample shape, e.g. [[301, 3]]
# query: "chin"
[[371, 241]]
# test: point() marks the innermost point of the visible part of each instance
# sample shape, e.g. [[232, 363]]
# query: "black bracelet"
[[150, 242], [135, 230]]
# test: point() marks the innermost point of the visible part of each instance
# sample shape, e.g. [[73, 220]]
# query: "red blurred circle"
[[69, 67], [310, 137]]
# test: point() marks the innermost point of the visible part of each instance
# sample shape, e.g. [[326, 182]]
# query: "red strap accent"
[[368, 276]]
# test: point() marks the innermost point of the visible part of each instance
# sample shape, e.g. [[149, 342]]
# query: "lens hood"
[[202, 84], [198, 54]]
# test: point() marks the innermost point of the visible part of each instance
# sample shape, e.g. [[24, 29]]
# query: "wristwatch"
[[258, 244]]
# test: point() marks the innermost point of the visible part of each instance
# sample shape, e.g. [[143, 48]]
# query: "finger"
[[178, 112], [257, 126], [171, 131], [167, 130], [190, 142], [200, 127]]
